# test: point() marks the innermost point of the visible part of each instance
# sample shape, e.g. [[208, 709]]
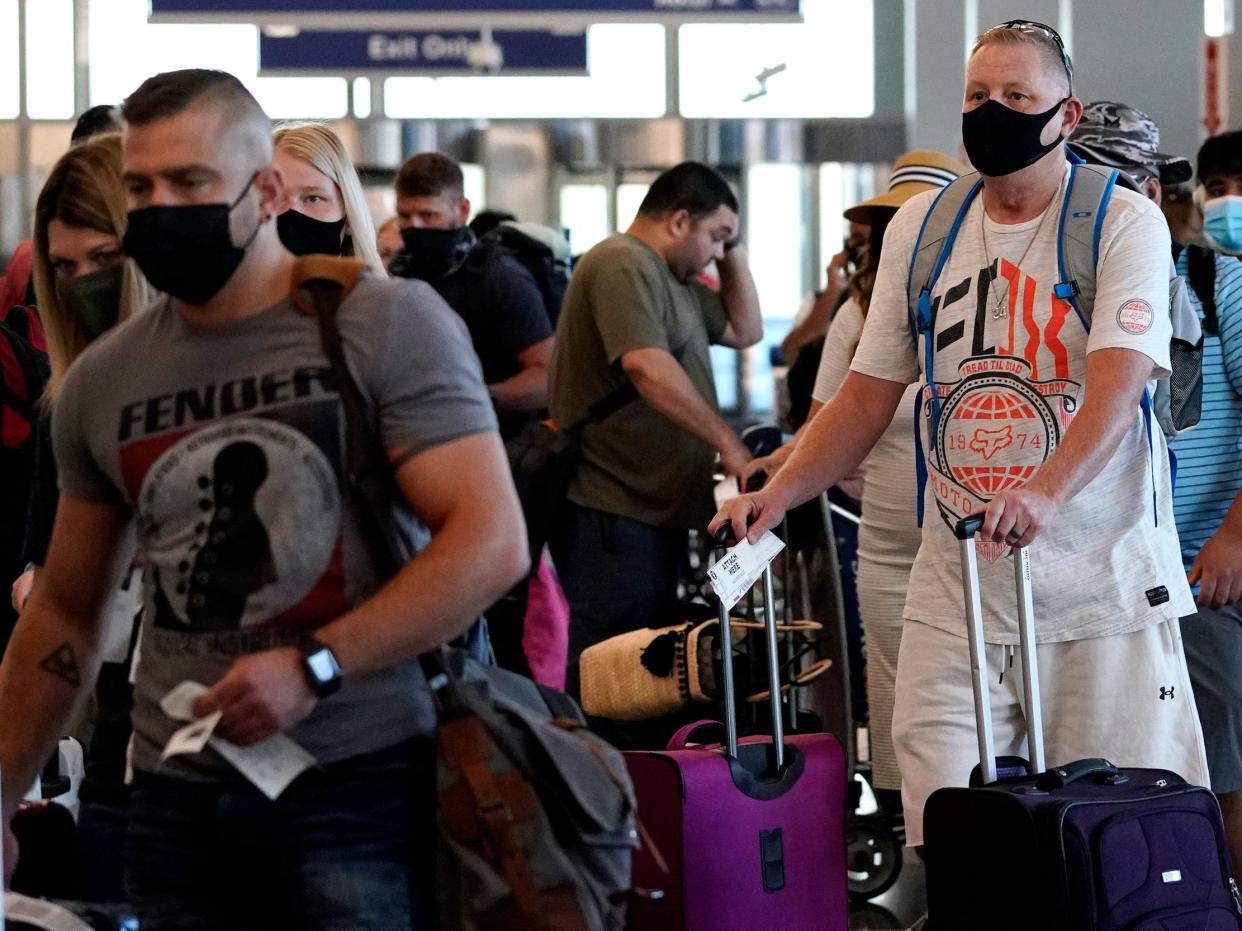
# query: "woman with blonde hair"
[[82, 281], [326, 211], [83, 286]]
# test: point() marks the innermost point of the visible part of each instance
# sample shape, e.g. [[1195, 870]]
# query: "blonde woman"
[[83, 286], [326, 212]]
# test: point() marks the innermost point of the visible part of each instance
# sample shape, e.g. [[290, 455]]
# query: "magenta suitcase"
[[740, 839]]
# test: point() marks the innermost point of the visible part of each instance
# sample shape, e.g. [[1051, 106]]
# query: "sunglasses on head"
[[1042, 29]]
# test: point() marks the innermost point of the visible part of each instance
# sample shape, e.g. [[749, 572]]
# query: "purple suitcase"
[[741, 840]]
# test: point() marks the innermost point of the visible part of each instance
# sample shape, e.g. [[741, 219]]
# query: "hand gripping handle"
[[723, 537], [965, 530]]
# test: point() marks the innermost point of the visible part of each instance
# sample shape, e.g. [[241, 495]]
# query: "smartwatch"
[[319, 666]]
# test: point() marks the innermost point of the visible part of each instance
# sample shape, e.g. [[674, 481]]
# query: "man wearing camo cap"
[[1119, 136], [1205, 499]]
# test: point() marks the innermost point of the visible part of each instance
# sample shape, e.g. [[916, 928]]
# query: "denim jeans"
[[343, 849]]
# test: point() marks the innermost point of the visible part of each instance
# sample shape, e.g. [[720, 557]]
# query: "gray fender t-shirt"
[[227, 443]]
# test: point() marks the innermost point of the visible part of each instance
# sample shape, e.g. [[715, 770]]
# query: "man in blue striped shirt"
[[1206, 499], [1209, 456]]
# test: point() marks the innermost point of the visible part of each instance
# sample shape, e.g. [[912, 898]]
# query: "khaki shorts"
[[1126, 698]]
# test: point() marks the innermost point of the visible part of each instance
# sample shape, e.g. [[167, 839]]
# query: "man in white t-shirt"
[[1069, 471]]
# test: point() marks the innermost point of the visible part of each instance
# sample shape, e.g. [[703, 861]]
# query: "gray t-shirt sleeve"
[[80, 473], [426, 381]]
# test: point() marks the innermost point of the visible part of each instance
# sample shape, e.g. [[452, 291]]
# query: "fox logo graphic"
[[987, 443]]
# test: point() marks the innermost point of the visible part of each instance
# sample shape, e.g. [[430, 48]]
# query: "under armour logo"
[[1167, 692]]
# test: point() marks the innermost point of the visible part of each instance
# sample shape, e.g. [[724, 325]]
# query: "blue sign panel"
[[445, 52], [455, 14]]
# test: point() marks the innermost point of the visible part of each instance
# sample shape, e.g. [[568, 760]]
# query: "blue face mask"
[[1222, 222]]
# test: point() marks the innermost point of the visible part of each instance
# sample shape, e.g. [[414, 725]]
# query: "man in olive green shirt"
[[636, 318]]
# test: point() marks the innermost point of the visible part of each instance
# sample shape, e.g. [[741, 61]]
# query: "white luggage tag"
[[734, 573]]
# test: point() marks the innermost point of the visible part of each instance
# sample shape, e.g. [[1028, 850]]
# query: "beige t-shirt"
[[1009, 386], [889, 536]]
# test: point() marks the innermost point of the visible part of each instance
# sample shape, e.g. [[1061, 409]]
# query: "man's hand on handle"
[[765, 466], [1017, 517], [751, 516], [734, 457]]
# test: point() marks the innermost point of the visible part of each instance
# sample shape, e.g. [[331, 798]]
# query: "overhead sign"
[[444, 52], [463, 14]]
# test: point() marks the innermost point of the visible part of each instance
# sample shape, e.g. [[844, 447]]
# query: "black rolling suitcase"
[[1080, 847]]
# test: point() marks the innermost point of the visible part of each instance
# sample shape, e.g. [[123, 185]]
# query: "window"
[[629, 196], [627, 80], [823, 67], [49, 59], [841, 186], [125, 50], [775, 243], [584, 213], [9, 103], [362, 97], [474, 185]]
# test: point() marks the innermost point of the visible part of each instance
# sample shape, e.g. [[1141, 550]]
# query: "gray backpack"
[[536, 813], [1176, 403]]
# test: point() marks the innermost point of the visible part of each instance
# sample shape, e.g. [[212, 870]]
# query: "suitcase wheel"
[[872, 856]]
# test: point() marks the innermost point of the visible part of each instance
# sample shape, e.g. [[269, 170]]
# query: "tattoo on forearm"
[[63, 664]]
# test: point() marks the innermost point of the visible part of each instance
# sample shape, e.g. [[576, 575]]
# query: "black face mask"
[[187, 251], [1000, 140], [94, 299], [303, 235], [431, 254]]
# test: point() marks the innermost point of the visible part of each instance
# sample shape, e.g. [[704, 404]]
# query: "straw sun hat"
[[913, 173]]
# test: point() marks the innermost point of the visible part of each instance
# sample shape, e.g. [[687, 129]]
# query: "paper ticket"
[[271, 764], [191, 738]]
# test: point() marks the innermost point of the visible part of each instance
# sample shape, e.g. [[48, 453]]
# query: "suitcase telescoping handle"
[[724, 536], [965, 530]]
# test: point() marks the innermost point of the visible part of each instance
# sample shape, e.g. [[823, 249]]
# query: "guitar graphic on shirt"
[[234, 557]]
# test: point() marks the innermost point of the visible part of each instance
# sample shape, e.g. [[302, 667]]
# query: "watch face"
[[322, 665]]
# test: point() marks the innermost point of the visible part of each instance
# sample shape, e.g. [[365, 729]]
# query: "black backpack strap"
[[1201, 275], [321, 284]]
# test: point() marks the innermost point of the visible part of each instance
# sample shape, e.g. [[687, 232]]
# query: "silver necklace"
[[999, 310]]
